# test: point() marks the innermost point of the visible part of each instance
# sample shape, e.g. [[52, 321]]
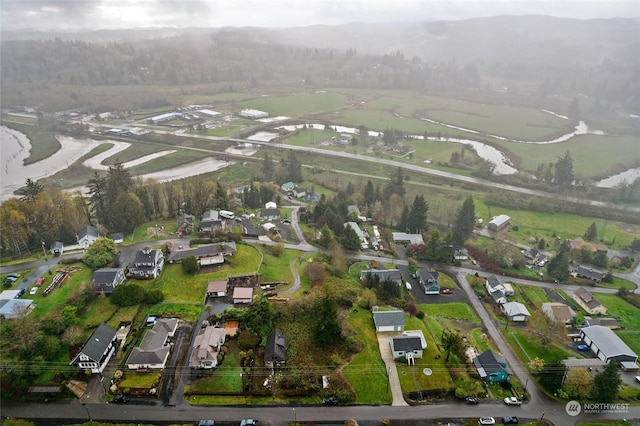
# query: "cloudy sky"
[[101, 14]]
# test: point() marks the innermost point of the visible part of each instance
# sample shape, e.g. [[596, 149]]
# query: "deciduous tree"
[[101, 253]]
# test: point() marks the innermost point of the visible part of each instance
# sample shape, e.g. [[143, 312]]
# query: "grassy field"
[[527, 348], [534, 225], [630, 319], [366, 371], [298, 104], [536, 295], [450, 310]]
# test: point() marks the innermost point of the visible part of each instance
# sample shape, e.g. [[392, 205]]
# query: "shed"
[[499, 223], [217, 289], [243, 294]]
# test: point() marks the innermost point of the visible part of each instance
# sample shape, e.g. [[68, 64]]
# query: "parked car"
[[120, 399], [330, 400], [509, 420], [512, 400], [471, 400], [487, 421], [249, 422], [21, 293], [583, 347], [14, 275], [206, 423], [39, 282], [33, 290], [638, 379], [10, 280], [446, 291]]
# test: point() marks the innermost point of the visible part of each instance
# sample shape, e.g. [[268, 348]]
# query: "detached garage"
[[388, 320], [607, 345]]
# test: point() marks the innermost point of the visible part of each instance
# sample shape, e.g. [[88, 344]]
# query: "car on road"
[[583, 347], [512, 400], [509, 420], [486, 421], [446, 291], [39, 282], [471, 400], [120, 399], [33, 290], [206, 423], [249, 422]]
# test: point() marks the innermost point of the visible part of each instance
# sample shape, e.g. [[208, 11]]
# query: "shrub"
[[154, 296], [247, 340], [420, 315]]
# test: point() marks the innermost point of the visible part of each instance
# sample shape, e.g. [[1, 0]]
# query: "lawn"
[[277, 268], [535, 295], [412, 378], [630, 319], [456, 310], [526, 347], [366, 371], [61, 294]]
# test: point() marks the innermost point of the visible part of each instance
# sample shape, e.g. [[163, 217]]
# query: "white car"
[[487, 421], [512, 400], [33, 290]]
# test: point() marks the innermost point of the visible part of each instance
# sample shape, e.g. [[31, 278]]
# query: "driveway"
[[387, 357]]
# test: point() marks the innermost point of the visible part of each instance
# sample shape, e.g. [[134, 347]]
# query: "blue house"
[[492, 367]]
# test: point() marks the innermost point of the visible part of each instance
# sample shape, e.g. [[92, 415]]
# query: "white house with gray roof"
[[388, 320], [97, 350], [606, 345]]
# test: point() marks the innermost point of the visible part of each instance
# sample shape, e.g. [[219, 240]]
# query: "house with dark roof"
[[312, 197], [492, 367], [496, 289], [406, 347], [388, 320], [97, 350], [429, 281], [207, 254], [298, 192], [147, 264], [269, 214], [106, 279], [275, 351], [589, 273], [117, 237], [87, 236], [211, 221], [153, 351], [588, 302], [206, 347], [383, 274], [606, 345], [611, 323]]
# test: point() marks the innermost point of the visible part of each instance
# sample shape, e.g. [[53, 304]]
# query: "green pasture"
[[59, 296], [147, 232], [534, 225], [593, 155], [277, 268], [366, 371], [183, 156], [135, 151], [618, 307], [297, 104], [43, 141], [527, 347], [536, 295], [456, 310]]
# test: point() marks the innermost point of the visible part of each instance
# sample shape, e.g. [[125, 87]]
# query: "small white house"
[[515, 311]]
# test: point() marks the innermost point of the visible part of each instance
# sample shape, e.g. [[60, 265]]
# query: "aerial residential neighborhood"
[[427, 218]]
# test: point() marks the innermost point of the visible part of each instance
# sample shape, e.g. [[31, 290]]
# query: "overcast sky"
[[101, 14]]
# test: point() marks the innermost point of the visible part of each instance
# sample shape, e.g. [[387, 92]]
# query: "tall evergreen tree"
[[267, 168], [417, 221], [607, 383], [369, 194], [403, 223], [30, 191], [327, 328], [395, 185], [564, 170], [591, 233], [464, 222]]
